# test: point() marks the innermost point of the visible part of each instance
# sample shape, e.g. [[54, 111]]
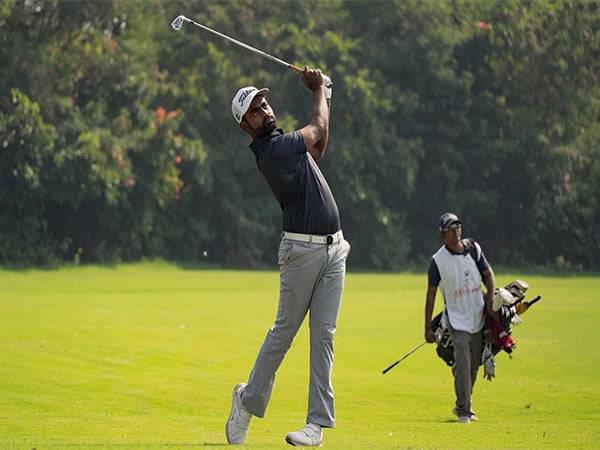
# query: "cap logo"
[[447, 221], [244, 95]]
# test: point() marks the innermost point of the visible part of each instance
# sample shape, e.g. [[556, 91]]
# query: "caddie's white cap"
[[242, 100]]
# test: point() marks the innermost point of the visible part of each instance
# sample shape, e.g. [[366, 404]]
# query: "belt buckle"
[[329, 239]]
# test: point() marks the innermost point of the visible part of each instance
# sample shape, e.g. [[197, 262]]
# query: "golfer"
[[458, 268], [312, 258]]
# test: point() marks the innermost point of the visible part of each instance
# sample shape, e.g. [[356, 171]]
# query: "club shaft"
[[530, 302], [246, 46], [387, 369]]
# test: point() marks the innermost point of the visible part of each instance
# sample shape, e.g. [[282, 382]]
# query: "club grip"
[[326, 80]]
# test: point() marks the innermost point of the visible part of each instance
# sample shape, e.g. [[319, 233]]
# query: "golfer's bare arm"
[[316, 133], [429, 304], [318, 150]]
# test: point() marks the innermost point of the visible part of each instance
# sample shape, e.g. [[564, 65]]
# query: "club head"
[[178, 22]]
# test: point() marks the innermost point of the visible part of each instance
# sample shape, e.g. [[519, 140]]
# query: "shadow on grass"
[[145, 445]]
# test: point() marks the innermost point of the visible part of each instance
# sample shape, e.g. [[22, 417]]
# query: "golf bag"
[[444, 347], [509, 302]]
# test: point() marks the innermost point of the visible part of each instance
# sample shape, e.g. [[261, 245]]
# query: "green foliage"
[[489, 109], [26, 144]]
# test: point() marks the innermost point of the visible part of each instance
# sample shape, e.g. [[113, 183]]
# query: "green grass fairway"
[[146, 355]]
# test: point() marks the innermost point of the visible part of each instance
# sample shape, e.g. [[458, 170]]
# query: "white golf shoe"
[[465, 419], [311, 435], [236, 428]]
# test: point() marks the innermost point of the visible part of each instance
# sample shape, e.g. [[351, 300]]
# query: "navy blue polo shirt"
[[296, 181]]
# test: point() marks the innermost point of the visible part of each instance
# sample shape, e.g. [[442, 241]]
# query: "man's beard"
[[265, 130]]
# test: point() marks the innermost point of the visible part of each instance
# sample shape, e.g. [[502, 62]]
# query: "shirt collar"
[[258, 143], [452, 252]]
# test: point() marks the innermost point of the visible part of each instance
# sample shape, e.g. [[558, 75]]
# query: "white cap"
[[242, 100]]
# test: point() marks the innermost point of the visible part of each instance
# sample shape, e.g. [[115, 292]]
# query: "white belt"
[[313, 238]]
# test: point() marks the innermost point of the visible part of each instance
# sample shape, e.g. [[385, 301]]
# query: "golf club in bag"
[[180, 20]]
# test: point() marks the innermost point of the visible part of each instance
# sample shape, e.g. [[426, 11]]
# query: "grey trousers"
[[311, 280], [467, 358]]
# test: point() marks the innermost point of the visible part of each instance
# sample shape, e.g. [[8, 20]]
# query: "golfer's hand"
[[429, 336], [312, 78]]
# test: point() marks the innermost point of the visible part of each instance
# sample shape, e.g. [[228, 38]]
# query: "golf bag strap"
[[474, 250]]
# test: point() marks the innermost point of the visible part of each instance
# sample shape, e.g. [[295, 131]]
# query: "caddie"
[[312, 258], [458, 268]]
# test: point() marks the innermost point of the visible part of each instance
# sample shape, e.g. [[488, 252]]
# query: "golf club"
[[179, 21], [536, 299], [387, 369]]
